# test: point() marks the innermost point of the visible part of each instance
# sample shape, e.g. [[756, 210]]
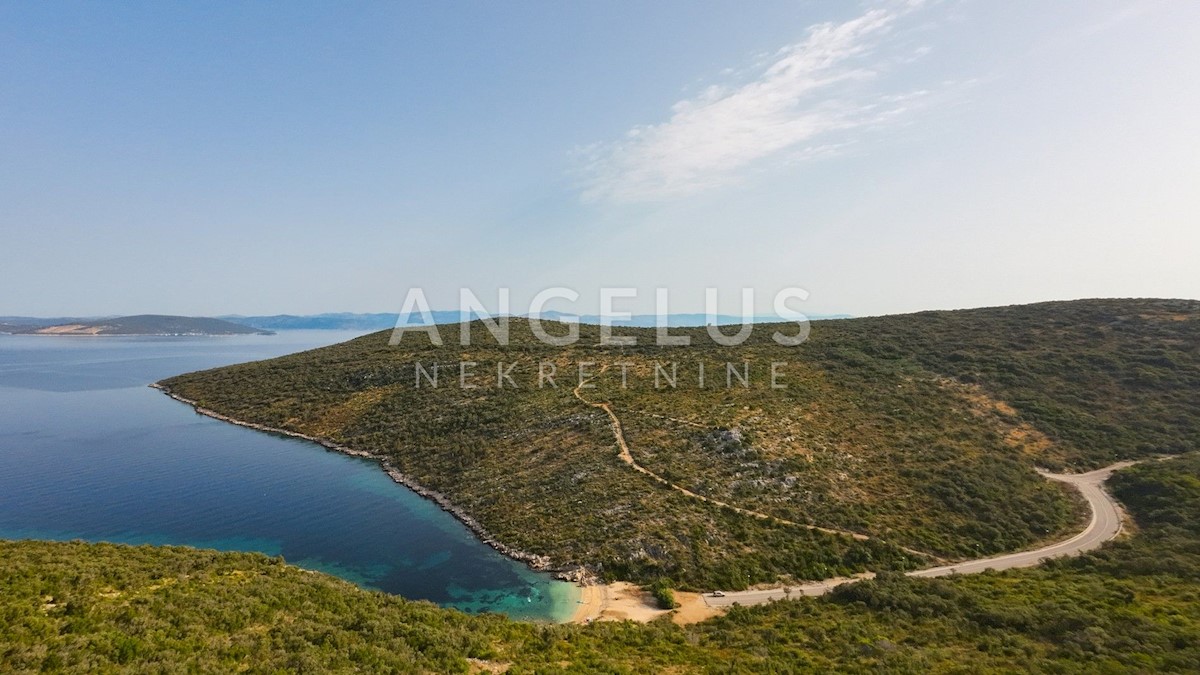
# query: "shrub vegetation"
[[1132, 606], [922, 431]]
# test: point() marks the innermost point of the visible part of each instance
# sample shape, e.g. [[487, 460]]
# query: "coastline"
[[595, 601], [539, 563]]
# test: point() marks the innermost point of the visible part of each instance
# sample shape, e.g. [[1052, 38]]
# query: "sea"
[[89, 451]]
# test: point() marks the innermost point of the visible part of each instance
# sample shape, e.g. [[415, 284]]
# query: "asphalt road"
[[1105, 524]]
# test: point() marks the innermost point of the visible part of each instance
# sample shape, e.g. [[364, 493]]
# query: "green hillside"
[[1133, 606], [919, 431]]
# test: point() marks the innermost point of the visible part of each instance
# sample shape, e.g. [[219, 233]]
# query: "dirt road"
[[1105, 524]]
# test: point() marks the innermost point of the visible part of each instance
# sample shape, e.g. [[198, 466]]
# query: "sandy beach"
[[623, 601]]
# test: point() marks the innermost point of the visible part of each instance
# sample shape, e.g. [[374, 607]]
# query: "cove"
[[88, 451]]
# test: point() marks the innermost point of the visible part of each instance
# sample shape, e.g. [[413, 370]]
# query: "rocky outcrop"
[[578, 575]]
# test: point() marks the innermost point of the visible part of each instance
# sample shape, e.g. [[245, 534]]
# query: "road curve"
[[1105, 524], [627, 456]]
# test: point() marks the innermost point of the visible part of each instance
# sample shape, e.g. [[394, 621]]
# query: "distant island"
[[142, 324], [235, 324], [384, 320], [330, 321]]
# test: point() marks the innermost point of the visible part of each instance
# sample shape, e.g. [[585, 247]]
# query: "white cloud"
[[801, 104]]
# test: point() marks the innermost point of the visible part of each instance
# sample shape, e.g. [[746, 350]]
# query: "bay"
[[89, 451]]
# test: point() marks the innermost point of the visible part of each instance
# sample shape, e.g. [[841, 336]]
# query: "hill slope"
[[918, 432], [1133, 606]]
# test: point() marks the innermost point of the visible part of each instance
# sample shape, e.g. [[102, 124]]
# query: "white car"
[[717, 594]]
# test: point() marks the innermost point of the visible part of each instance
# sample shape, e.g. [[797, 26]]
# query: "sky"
[[297, 157]]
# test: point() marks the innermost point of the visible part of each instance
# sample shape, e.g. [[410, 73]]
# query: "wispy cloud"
[[799, 105]]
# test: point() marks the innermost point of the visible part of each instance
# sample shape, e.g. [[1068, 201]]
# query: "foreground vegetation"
[[921, 431], [1133, 606]]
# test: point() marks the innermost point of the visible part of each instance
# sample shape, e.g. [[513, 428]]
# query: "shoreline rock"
[[540, 563]]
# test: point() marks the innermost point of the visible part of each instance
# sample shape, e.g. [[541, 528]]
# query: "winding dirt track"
[[627, 457], [1105, 525]]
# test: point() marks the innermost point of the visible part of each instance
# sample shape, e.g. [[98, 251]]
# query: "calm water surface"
[[88, 451]]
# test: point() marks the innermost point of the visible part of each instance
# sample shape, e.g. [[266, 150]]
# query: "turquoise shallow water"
[[88, 451]]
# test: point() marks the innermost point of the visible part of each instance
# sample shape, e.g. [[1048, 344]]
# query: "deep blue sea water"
[[88, 451]]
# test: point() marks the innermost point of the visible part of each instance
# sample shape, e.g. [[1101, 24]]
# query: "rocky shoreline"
[[540, 563]]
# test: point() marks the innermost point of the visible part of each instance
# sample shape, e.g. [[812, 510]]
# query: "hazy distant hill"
[[380, 321], [331, 321], [678, 320], [363, 322], [143, 324], [24, 324]]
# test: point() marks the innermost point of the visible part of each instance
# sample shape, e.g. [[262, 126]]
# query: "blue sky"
[[212, 158]]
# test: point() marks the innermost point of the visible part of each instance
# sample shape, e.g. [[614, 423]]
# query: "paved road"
[[1105, 524]]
